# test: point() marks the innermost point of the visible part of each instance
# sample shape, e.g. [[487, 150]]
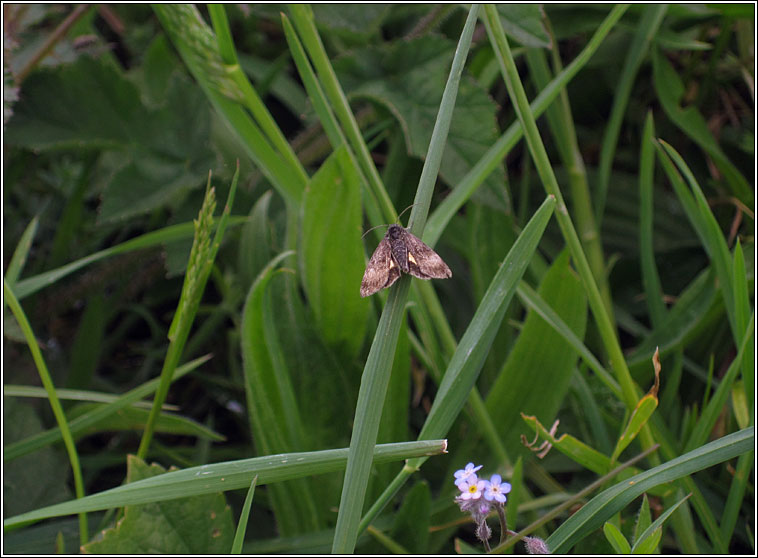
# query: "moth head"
[[395, 231]]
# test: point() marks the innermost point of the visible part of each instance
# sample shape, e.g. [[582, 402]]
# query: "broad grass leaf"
[[536, 375], [411, 521], [194, 525], [255, 241], [332, 259]]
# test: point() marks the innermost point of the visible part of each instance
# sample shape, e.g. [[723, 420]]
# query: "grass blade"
[[229, 475], [379, 364]]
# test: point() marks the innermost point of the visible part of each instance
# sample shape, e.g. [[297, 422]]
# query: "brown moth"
[[399, 251]]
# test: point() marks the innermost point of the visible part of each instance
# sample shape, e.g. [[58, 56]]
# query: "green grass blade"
[[650, 22], [562, 127], [705, 224], [302, 17], [331, 218], [616, 539], [611, 501], [532, 300], [643, 544], [542, 163], [251, 100], [742, 315], [273, 412], [90, 419], [201, 259], [229, 475], [239, 535], [671, 93], [174, 233], [482, 169], [74, 395], [379, 364], [712, 411], [20, 254], [230, 94], [650, 280], [60, 416], [468, 359]]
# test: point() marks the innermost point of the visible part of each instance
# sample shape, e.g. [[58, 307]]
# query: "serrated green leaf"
[[524, 22], [408, 78], [358, 19], [96, 106], [195, 525]]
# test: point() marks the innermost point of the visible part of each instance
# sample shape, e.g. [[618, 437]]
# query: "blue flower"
[[461, 475], [496, 489], [471, 488]]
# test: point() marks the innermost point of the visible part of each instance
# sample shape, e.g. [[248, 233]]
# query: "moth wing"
[[423, 262], [381, 270]]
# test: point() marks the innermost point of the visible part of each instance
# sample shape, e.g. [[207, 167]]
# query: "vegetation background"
[[317, 123]]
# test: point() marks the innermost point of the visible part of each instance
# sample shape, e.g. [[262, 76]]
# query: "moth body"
[[398, 251]]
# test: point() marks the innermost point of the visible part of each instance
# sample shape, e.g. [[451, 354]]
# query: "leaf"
[[408, 78], [643, 519], [651, 536], [132, 418], [411, 522], [351, 19], [573, 448], [523, 22], [642, 412], [33, 480], [272, 407], [670, 91], [194, 525], [536, 374], [616, 538], [332, 259], [255, 241], [230, 475], [95, 106], [163, 152], [593, 514], [239, 535]]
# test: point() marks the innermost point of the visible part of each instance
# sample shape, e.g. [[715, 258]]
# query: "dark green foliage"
[[109, 140]]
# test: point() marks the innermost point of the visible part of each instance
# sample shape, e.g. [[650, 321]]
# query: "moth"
[[399, 251]]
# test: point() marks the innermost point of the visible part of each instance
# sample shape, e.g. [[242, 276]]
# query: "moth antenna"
[[398, 218], [371, 229], [404, 210]]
